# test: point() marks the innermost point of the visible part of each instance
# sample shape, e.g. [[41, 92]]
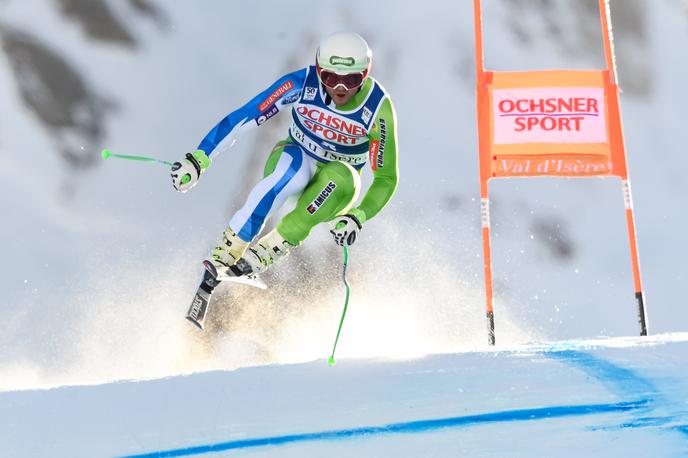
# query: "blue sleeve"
[[259, 109]]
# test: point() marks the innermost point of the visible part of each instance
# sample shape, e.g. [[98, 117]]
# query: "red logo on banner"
[[549, 115]]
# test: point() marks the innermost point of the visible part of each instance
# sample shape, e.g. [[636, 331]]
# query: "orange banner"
[[549, 123]]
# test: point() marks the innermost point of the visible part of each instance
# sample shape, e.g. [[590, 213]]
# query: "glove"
[[185, 173], [345, 229]]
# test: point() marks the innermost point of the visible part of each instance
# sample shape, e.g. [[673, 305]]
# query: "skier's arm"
[[383, 161], [256, 111]]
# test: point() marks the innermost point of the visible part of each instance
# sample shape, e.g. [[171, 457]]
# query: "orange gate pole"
[[487, 259], [484, 174], [617, 131]]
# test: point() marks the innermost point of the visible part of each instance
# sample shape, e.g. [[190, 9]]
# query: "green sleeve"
[[383, 161]]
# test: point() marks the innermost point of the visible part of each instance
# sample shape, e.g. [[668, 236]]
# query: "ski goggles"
[[350, 81]]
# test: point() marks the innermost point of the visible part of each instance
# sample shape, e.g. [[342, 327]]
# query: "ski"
[[211, 278], [199, 305], [240, 273]]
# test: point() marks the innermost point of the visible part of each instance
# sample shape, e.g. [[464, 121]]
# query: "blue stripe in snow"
[[421, 426], [642, 422], [625, 383], [682, 429], [619, 380]]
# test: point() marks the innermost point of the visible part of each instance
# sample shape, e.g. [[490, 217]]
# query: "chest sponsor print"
[[317, 149], [332, 127]]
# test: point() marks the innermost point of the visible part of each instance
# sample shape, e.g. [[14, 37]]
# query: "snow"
[[603, 397]]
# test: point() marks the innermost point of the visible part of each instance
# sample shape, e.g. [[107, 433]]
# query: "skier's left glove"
[[345, 229], [185, 173]]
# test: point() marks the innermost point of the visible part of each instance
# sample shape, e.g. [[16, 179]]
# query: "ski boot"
[[227, 262], [257, 259], [229, 250]]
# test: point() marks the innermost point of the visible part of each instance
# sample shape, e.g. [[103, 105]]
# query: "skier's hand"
[[185, 173], [345, 229]]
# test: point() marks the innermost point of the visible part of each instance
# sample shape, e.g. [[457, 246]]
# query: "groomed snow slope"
[[608, 397]]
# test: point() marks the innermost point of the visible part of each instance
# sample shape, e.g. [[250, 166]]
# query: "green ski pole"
[[331, 360], [107, 154]]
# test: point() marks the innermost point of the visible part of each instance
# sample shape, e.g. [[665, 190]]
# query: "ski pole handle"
[[107, 154]]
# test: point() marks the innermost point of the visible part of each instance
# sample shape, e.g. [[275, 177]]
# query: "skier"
[[341, 117]]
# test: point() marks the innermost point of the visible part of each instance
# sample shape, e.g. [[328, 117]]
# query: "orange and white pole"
[[487, 259], [630, 223], [608, 40], [484, 196]]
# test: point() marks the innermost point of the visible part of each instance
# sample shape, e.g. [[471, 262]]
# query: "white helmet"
[[344, 52]]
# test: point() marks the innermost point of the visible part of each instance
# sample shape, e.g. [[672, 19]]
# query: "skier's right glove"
[[185, 173]]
